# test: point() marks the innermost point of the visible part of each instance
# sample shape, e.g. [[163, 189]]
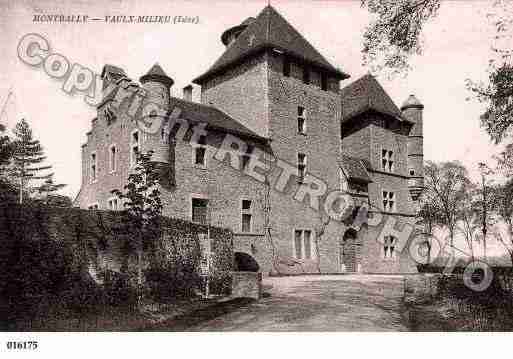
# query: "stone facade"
[[287, 234]]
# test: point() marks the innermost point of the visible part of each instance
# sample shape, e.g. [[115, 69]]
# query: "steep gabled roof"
[[366, 94], [270, 30], [213, 117], [355, 169]]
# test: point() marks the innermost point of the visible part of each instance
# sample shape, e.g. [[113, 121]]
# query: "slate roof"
[[355, 169], [215, 118], [366, 94], [270, 30]]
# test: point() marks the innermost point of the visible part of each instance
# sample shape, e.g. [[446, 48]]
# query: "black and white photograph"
[[313, 169]]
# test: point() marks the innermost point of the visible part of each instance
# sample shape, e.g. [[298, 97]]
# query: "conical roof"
[[270, 30], [156, 73], [411, 101]]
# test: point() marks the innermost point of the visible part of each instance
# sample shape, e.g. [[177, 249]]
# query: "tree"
[[7, 192], [395, 35], [503, 206], [28, 153], [429, 216], [467, 217], [446, 186], [143, 208], [46, 193], [483, 203]]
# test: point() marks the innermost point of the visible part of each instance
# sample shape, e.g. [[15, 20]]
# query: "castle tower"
[[412, 109], [158, 84]]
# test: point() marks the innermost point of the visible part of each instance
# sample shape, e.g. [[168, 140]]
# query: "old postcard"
[[261, 166]]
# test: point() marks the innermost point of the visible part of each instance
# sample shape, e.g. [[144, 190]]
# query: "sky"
[[457, 47]]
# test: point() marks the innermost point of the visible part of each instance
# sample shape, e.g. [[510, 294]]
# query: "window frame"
[[93, 179], [301, 176], [114, 198], [389, 165], [246, 211], [204, 147], [191, 212], [313, 254], [133, 158], [113, 169], [303, 116], [390, 248], [387, 198]]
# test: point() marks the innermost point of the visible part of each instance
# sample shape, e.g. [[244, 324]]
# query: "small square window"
[[246, 204]]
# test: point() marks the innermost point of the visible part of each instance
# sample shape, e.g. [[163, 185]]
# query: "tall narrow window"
[[389, 247], [388, 201], [306, 74], [246, 215], [286, 66], [301, 120], [247, 156], [199, 210], [387, 160], [200, 151], [112, 159], [135, 147], [301, 167], [94, 167], [113, 204], [303, 244], [324, 82]]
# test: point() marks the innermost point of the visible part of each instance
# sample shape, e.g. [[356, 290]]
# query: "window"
[[412, 172], [247, 156], [301, 167], [303, 244], [94, 167], [388, 201], [113, 204], [389, 247], [112, 158], [93, 206], [199, 210], [246, 215], [301, 120], [286, 66], [387, 160], [134, 147], [306, 75], [324, 82], [344, 185], [200, 151], [164, 135]]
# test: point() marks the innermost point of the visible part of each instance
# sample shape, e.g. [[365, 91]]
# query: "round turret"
[[412, 110], [155, 108], [229, 36]]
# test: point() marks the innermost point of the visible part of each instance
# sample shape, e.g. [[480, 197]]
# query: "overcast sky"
[[457, 47]]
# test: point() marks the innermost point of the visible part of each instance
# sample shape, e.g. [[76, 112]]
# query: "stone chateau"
[[289, 108]]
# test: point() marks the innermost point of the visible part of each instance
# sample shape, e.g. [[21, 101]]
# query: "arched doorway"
[[350, 251], [245, 262]]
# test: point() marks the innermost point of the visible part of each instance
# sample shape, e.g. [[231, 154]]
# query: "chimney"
[[187, 93]]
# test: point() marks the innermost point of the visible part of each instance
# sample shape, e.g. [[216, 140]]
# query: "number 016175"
[[30, 345]]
